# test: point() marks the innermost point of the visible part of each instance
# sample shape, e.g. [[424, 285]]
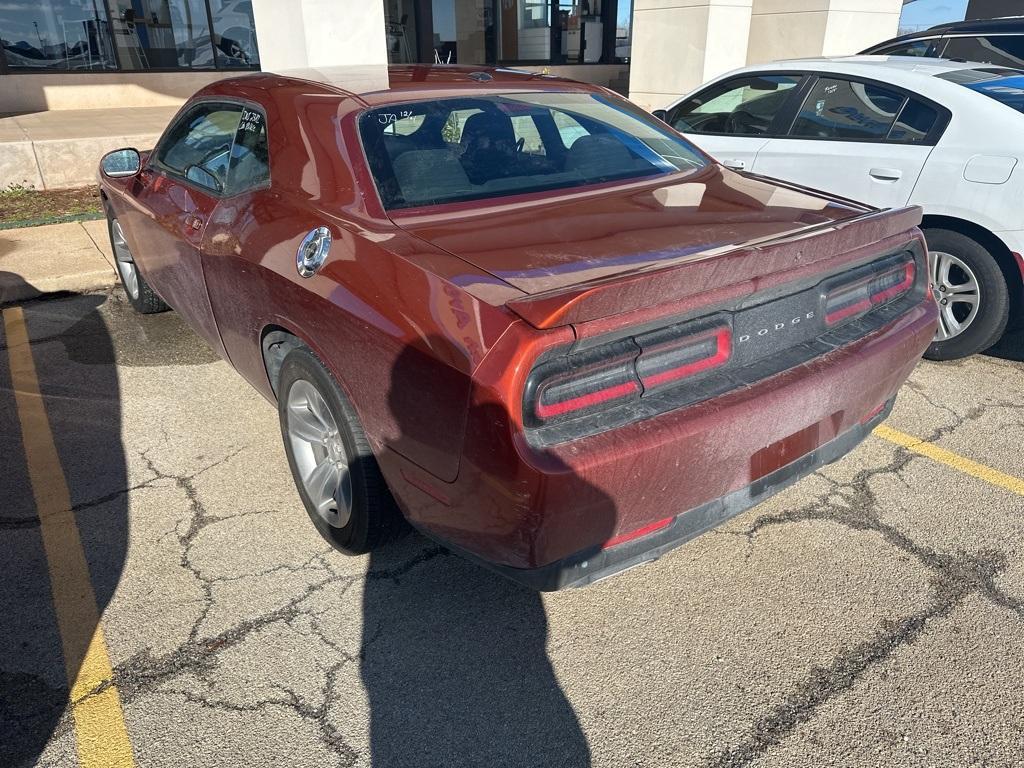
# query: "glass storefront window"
[[161, 34], [234, 34], [56, 35], [624, 30], [127, 34]]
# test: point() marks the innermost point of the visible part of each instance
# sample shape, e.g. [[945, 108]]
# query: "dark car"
[[559, 336], [992, 41]]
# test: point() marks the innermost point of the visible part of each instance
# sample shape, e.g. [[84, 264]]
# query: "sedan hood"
[[563, 244]]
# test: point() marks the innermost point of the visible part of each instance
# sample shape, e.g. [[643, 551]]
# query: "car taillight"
[[668, 356], [849, 300], [614, 374], [580, 383]]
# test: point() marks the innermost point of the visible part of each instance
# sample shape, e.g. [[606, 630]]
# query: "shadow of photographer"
[[454, 658]]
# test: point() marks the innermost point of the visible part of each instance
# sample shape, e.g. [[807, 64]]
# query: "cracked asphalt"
[[871, 615]]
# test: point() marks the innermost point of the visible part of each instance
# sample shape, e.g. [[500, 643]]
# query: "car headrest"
[[425, 174], [489, 125]]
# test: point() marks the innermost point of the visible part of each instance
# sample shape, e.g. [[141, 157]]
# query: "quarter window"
[[847, 109], [914, 123], [250, 155], [745, 106]]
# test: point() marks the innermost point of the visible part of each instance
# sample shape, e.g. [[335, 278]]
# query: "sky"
[[927, 13]]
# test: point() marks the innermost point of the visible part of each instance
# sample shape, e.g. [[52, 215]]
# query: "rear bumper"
[[551, 517], [589, 566]]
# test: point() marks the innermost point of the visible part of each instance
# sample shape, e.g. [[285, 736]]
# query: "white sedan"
[[893, 131]]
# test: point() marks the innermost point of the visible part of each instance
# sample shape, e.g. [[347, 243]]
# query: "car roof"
[[385, 83], [1005, 24], [876, 66]]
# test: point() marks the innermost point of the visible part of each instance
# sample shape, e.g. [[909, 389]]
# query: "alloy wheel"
[[319, 453], [957, 292], [125, 263]]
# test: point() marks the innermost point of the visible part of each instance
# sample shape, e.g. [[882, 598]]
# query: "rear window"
[[1003, 85], [449, 150]]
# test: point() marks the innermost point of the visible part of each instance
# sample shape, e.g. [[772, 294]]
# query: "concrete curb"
[[58, 258]]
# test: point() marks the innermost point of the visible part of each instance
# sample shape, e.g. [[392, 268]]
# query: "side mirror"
[[661, 114], [199, 175], [121, 163]]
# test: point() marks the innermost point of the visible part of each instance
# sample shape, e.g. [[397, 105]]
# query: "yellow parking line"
[[100, 732], [950, 459]]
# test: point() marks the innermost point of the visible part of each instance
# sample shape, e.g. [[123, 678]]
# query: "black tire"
[[374, 517], [144, 300], [993, 296]]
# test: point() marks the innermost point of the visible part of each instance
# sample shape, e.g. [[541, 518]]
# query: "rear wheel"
[[334, 469], [973, 297], [140, 295]]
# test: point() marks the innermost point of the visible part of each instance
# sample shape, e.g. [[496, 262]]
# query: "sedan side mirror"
[[199, 175], [121, 163], [661, 114]]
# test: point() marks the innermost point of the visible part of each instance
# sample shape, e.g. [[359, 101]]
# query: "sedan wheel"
[[959, 295], [971, 292]]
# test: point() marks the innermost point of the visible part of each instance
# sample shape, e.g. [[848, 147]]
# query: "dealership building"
[[81, 54], [68, 67]]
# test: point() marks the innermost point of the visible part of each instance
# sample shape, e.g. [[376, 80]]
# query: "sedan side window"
[[847, 109], [744, 106], [202, 138], [1004, 50], [919, 48]]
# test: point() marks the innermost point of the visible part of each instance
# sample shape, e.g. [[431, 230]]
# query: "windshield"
[[449, 150], [1005, 85]]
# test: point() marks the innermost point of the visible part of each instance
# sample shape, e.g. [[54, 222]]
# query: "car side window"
[[914, 124], [202, 138], [920, 48], [836, 108], [250, 155], [525, 130], [455, 124], [569, 129], [1003, 50], [744, 106]]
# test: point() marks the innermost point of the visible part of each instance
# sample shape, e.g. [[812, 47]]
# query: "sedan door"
[[732, 120], [175, 196], [857, 139]]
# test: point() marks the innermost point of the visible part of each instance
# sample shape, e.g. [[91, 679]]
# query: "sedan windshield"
[[1004, 85], [426, 153]]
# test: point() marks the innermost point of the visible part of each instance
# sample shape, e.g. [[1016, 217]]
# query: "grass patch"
[[29, 207]]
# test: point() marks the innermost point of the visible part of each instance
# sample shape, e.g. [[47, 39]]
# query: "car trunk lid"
[[588, 256]]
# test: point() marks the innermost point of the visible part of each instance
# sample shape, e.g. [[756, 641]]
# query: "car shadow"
[[1009, 347], [454, 660], [73, 356]]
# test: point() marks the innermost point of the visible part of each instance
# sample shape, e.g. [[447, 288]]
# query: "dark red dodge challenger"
[[516, 310]]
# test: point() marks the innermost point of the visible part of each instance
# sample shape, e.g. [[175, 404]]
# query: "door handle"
[[735, 165], [886, 174]]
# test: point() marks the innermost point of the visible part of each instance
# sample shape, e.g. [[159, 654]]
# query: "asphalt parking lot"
[[871, 615]]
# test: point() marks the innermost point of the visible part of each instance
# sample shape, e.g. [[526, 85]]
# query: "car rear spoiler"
[[711, 277]]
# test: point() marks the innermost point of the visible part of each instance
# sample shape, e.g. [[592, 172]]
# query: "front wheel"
[[142, 298], [974, 301], [334, 469]]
